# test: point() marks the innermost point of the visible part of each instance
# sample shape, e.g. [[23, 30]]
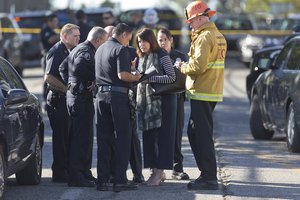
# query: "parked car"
[[167, 18], [233, 26], [275, 99], [21, 130], [260, 64], [11, 43], [30, 23]]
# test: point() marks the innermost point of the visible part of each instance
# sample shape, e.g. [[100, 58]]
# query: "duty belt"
[[110, 88]]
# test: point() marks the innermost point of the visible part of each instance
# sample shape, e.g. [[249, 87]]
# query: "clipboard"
[[147, 74]]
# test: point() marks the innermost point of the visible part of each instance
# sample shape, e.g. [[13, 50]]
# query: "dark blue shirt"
[[54, 58], [112, 58], [45, 34]]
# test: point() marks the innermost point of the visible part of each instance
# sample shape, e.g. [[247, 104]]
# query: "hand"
[[133, 64], [178, 64], [92, 86]]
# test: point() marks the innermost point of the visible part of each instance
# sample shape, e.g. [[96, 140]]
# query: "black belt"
[[110, 88]]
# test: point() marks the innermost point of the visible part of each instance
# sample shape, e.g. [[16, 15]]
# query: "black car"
[[260, 64], [275, 99], [21, 130], [30, 24], [11, 42]]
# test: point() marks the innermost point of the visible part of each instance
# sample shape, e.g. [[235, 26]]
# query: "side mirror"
[[15, 96]]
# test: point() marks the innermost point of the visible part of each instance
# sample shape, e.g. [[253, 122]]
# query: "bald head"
[[109, 30]]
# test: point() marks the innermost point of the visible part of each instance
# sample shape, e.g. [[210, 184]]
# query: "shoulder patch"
[[86, 55]]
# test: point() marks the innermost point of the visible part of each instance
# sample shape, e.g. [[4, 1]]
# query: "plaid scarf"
[[148, 105]]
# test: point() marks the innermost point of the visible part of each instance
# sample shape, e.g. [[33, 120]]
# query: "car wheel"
[[31, 174], [293, 134], [257, 128], [2, 174]]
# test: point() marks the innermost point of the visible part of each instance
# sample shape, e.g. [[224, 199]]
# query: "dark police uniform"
[[84, 29], [113, 112], [178, 157], [45, 34], [81, 68], [58, 114]]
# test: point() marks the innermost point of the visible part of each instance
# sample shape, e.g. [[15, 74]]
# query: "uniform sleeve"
[[63, 70], [169, 76], [85, 66], [123, 61], [198, 61]]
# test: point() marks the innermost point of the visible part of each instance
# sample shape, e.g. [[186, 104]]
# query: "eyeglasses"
[[106, 18]]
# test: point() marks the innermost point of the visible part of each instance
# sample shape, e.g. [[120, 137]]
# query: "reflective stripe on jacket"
[[205, 70]]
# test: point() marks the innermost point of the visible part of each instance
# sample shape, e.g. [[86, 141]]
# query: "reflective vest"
[[205, 69]]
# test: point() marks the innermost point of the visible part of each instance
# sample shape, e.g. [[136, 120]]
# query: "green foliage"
[[107, 3]]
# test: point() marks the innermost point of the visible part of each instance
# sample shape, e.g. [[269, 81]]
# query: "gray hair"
[[68, 29], [96, 32]]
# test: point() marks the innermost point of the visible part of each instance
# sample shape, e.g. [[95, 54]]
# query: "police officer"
[[113, 77], [84, 28], [48, 38], [136, 152], [81, 108], [56, 100]]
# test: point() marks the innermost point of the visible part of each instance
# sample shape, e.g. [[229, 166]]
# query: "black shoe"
[[104, 187], [90, 177], [81, 183], [138, 179], [124, 187], [180, 176], [60, 179], [201, 184]]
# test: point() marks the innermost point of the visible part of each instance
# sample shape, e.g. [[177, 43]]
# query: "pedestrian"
[[81, 68], [165, 41], [108, 19], [205, 77], [156, 113], [84, 28], [113, 78], [56, 100], [49, 37]]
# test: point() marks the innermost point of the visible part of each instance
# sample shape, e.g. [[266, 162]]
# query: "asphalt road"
[[247, 168]]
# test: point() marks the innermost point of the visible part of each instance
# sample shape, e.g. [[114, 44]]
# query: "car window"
[[294, 59], [14, 79], [281, 60]]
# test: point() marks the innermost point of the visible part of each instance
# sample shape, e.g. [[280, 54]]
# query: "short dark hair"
[[121, 28], [148, 35], [80, 15], [51, 16], [166, 32]]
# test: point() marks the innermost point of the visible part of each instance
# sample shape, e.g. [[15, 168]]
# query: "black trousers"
[[200, 134], [81, 110], [136, 152], [59, 122], [113, 136], [158, 143], [178, 157]]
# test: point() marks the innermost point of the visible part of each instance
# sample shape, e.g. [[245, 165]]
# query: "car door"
[[18, 117], [283, 82]]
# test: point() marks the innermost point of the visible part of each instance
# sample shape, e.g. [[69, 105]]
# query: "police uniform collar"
[[114, 39], [63, 46], [90, 44]]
